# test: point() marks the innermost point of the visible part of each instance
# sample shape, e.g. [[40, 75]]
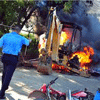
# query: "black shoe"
[[2, 97]]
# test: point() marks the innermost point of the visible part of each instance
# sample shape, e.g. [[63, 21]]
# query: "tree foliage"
[[13, 12], [68, 6]]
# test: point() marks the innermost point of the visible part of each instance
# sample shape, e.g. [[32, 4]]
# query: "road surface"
[[25, 80]]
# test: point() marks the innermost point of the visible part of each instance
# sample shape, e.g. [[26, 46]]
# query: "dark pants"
[[9, 66]]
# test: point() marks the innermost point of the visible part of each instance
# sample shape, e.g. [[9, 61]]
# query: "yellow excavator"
[[61, 40]]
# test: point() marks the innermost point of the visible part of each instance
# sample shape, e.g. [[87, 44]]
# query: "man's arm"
[[26, 41], [30, 40], [1, 41]]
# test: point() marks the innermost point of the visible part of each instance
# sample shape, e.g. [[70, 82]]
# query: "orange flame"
[[65, 36], [42, 43], [59, 67], [84, 56]]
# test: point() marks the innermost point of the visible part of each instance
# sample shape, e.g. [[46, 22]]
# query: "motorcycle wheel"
[[62, 98], [90, 96], [37, 95], [52, 97]]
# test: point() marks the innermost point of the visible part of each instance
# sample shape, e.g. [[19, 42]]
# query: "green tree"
[[68, 6], [13, 12]]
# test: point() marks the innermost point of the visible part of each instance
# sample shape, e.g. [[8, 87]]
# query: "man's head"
[[16, 29]]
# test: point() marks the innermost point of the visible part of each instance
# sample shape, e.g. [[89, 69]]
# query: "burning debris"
[[84, 57], [78, 61], [60, 68]]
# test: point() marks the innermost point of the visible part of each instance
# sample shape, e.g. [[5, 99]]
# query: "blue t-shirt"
[[11, 43]]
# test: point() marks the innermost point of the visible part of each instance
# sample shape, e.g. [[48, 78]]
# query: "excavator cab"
[[70, 40]]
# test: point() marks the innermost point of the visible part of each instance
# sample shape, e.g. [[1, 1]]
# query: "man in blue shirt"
[[11, 44]]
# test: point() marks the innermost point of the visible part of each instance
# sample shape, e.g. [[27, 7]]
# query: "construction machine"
[[61, 40]]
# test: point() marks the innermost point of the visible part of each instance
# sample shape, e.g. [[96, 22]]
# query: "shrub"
[[32, 49]]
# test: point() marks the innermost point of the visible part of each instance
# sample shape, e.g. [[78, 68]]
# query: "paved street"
[[26, 80]]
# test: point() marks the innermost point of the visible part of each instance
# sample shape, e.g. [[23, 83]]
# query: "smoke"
[[90, 24]]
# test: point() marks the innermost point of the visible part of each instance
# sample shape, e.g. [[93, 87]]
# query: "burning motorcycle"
[[46, 92]]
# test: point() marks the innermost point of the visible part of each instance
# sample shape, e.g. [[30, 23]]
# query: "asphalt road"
[[26, 80]]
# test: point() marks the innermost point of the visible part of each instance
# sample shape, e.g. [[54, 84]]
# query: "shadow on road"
[[9, 97]]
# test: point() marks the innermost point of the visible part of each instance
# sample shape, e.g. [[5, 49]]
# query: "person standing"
[[11, 44]]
